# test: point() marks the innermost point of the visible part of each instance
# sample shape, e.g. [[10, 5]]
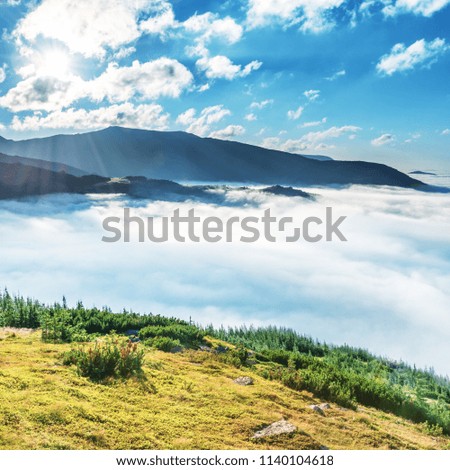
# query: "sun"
[[54, 63]]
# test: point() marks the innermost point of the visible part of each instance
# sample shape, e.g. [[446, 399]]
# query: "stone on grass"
[[243, 381], [317, 409], [275, 429]]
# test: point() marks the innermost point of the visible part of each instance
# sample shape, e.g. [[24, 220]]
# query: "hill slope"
[[180, 156], [188, 401], [20, 180], [76, 384]]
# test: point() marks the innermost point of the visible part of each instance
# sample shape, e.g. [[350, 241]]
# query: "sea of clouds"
[[386, 289]]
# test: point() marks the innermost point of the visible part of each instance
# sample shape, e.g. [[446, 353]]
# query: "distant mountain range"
[[19, 180], [179, 156]]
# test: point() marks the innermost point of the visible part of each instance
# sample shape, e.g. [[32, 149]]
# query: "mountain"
[[180, 156], [45, 165], [19, 180]]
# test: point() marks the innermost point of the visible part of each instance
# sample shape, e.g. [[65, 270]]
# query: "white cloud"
[[335, 76], [250, 117], [310, 15], [294, 114], [3, 73], [84, 26], [312, 95], [261, 104], [209, 25], [314, 123], [417, 7], [221, 66], [201, 124], [383, 140], [124, 52], [312, 141], [144, 116], [446, 132], [228, 132], [203, 87], [161, 21], [43, 93], [148, 80], [402, 58]]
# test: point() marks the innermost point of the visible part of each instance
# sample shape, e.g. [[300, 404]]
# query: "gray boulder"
[[317, 409], [275, 429], [243, 381]]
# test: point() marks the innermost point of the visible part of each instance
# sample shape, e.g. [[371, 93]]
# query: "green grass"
[[348, 377], [186, 400]]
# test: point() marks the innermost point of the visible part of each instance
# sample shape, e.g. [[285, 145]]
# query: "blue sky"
[[353, 79]]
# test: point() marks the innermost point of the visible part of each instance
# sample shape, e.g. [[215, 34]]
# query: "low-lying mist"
[[386, 289]]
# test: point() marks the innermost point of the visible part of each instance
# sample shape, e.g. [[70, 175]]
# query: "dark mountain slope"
[[181, 156]]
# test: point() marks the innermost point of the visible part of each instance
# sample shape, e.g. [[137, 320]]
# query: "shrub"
[[235, 357], [109, 358], [163, 343], [187, 335]]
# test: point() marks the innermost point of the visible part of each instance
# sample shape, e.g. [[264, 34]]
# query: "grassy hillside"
[[186, 400], [68, 381]]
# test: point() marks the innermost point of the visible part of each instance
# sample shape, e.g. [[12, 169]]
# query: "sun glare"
[[54, 63]]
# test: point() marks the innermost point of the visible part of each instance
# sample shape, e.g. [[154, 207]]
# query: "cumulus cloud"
[[144, 116], [312, 141], [383, 140], [311, 95], [45, 93], [446, 132], [209, 25], [221, 66], [417, 7], [85, 27], [261, 104], [294, 114], [309, 16], [148, 80], [402, 58], [228, 132], [161, 20], [201, 124]]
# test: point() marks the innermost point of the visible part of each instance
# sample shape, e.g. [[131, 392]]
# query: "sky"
[[353, 79]]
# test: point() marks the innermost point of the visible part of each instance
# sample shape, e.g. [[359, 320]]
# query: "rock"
[[243, 381], [324, 448], [324, 406], [317, 409], [204, 348], [279, 427]]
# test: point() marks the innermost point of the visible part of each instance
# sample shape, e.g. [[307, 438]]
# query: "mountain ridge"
[[180, 156]]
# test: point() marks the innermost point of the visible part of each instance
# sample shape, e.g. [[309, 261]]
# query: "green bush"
[[187, 335], [112, 357], [163, 343]]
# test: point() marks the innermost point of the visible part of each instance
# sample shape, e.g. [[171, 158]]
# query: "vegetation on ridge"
[[347, 376]]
